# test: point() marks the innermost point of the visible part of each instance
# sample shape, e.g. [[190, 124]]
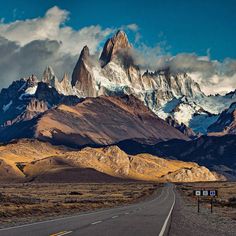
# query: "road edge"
[[165, 228]]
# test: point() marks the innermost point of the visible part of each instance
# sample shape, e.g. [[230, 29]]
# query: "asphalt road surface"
[[141, 219]]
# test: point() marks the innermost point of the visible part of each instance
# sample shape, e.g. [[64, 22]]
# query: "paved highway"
[[142, 219]]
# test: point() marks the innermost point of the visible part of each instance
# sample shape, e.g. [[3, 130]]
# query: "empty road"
[[145, 218]]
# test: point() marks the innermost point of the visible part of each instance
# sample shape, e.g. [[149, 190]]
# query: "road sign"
[[213, 193], [205, 193]]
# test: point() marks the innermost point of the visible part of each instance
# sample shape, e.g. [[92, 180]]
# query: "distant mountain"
[[167, 94], [95, 122]]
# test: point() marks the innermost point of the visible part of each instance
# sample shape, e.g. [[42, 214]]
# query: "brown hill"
[[96, 122], [49, 163]]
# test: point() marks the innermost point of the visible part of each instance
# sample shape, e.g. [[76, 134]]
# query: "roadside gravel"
[[187, 221]]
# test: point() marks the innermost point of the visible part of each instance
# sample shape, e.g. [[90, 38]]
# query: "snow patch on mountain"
[[7, 106], [28, 92]]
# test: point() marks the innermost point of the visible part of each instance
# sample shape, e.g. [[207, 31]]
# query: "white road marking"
[[61, 233], [163, 229], [67, 232], [126, 213], [96, 222], [113, 217]]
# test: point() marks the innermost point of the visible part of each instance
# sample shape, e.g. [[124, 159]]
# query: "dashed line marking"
[[113, 217], [96, 222], [61, 233], [126, 213]]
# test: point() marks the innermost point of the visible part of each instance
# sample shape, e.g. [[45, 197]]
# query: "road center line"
[[61, 233], [96, 222], [113, 217]]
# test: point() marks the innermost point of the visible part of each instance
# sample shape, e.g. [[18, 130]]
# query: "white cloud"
[[132, 27], [52, 26], [30, 45], [213, 76], [215, 84]]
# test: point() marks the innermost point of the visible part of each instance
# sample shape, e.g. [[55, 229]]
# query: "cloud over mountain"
[[213, 76], [28, 46]]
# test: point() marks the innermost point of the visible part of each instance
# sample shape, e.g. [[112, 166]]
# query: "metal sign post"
[[205, 193], [198, 204], [211, 204]]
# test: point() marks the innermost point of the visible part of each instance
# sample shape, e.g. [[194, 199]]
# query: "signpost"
[[205, 193]]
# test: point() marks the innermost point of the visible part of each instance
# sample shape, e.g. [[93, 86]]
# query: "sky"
[[194, 36]]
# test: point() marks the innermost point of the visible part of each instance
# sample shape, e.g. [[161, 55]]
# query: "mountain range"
[[112, 101]]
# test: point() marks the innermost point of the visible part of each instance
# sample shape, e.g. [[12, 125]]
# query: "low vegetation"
[[30, 202]]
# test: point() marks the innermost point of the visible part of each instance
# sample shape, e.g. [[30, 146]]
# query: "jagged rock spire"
[[118, 42], [80, 66], [82, 78], [65, 79], [49, 76]]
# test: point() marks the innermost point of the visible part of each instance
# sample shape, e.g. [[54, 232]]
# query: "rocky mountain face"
[[97, 121], [14, 99], [63, 87], [113, 46], [226, 123], [181, 127], [26, 98], [42, 162], [33, 109], [82, 78], [167, 94]]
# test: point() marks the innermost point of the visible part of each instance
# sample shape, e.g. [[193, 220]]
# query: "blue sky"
[[184, 25]]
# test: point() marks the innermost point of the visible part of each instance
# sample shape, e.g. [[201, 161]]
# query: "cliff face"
[[117, 74], [112, 47], [82, 77]]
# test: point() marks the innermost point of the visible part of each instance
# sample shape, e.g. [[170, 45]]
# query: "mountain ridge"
[[118, 118], [26, 162], [167, 94]]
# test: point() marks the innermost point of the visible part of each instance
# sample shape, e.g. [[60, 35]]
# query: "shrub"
[[75, 193]]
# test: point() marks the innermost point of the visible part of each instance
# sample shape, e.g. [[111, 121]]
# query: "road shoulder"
[[186, 221]]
